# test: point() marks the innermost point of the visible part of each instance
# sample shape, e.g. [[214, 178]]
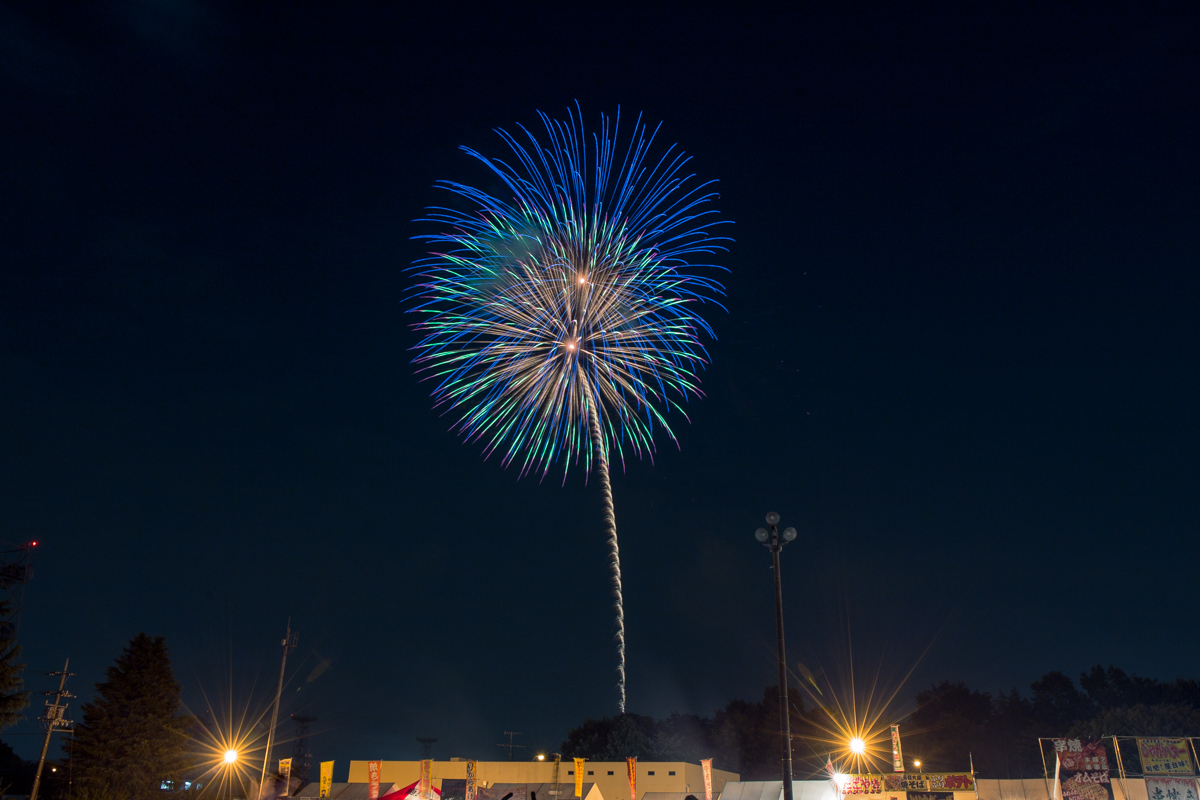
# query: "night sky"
[[960, 355]]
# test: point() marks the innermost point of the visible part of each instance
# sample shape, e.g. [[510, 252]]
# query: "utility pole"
[[289, 644], [53, 719], [426, 746], [510, 745]]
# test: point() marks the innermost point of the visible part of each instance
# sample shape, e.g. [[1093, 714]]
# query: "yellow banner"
[[579, 777], [425, 785], [326, 777], [285, 774], [632, 763], [1165, 756]]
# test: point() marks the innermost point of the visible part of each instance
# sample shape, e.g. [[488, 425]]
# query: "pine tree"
[[133, 736], [12, 699]]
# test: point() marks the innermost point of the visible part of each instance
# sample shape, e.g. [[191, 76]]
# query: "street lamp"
[[858, 746], [231, 756], [771, 540]]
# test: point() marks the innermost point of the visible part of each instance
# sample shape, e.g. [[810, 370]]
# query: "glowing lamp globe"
[[858, 746], [230, 756]]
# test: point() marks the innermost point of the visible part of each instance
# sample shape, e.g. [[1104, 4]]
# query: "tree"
[[612, 738], [1057, 704], [13, 698], [133, 736], [16, 774]]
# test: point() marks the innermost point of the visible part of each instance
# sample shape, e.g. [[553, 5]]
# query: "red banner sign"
[[373, 779]]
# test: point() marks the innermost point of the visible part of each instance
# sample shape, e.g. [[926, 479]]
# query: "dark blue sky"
[[960, 355]]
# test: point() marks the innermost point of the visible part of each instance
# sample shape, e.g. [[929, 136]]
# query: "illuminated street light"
[[541, 757], [858, 746], [772, 540], [231, 756], [917, 764]]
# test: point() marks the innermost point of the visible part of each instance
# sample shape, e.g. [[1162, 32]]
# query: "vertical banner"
[[425, 784], [1164, 757], [706, 765], [632, 764], [579, 777], [897, 757], [470, 791], [285, 775], [1082, 770], [373, 779], [326, 777]]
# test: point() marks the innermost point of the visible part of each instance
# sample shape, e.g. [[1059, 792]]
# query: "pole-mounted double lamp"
[[773, 541]]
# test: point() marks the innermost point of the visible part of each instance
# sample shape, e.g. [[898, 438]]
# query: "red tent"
[[410, 792]]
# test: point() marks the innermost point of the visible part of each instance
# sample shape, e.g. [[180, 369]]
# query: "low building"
[[610, 777], [985, 789]]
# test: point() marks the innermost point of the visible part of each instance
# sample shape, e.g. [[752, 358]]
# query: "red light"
[[33, 544]]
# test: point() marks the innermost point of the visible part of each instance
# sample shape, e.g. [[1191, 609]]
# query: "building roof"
[[773, 790], [1028, 789]]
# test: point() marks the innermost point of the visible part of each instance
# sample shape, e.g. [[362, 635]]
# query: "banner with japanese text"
[[910, 782], [1171, 788], [326, 777], [425, 782], [373, 768], [906, 782], [579, 777], [632, 765], [469, 792], [1082, 769], [285, 774], [1164, 757], [706, 765], [897, 758]]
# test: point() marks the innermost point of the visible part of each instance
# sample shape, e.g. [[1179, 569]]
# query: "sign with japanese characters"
[[863, 784], [1082, 769], [326, 778], [373, 779], [1164, 757], [897, 756], [1171, 788], [470, 789], [911, 782], [706, 766], [952, 782], [425, 782]]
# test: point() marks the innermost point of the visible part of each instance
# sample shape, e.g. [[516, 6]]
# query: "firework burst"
[[561, 321]]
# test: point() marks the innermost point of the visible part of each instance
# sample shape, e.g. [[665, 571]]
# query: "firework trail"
[[561, 321]]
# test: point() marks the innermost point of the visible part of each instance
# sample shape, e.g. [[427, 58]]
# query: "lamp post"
[[772, 540]]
